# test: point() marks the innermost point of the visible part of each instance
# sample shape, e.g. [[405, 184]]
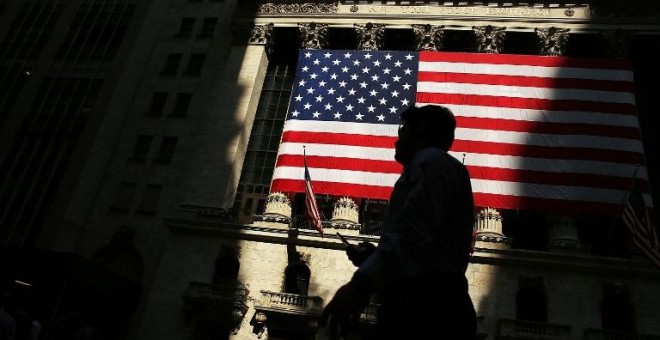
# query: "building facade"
[[143, 136]]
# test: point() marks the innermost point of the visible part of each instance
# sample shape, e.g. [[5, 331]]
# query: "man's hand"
[[358, 254], [346, 305]]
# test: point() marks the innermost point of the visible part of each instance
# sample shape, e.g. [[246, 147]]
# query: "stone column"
[[370, 36], [429, 37], [552, 41], [277, 213], [488, 227], [228, 115], [313, 36], [563, 234], [490, 39], [345, 217]]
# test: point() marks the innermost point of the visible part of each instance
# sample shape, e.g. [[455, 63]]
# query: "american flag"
[[636, 218], [538, 133], [311, 208]]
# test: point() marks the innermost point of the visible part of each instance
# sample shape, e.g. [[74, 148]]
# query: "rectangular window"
[[182, 103], [166, 151], [123, 197], [172, 64], [266, 133], [141, 148], [186, 27], [195, 64], [158, 101], [208, 28], [150, 197]]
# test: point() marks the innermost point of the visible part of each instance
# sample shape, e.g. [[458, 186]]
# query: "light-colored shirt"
[[428, 227]]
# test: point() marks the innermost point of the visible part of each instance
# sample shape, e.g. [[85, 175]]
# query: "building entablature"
[[579, 17], [583, 263]]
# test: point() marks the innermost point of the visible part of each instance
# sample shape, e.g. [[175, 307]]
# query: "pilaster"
[[224, 133]]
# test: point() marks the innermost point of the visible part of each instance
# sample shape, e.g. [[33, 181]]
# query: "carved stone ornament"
[[309, 8], [370, 36], [261, 35], [617, 43], [552, 41], [490, 39], [313, 36], [429, 37]]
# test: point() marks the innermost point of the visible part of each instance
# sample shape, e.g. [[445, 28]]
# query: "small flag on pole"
[[637, 220], [311, 207]]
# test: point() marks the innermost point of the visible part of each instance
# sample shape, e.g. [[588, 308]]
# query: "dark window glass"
[[182, 103], [265, 136], [166, 151], [616, 309], [141, 148], [208, 28], [150, 198], [195, 64], [158, 101], [186, 27], [531, 302], [172, 64]]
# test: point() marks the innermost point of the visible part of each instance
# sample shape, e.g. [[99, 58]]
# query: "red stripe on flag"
[[543, 204], [547, 127], [534, 151], [525, 103], [549, 178], [340, 163], [524, 81], [517, 59], [334, 188], [338, 139]]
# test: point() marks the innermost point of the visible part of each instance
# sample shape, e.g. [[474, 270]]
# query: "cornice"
[[638, 14]]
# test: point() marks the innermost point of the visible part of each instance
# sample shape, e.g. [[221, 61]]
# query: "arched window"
[[616, 309], [296, 278], [531, 302]]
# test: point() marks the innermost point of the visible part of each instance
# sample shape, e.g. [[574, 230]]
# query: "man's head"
[[421, 127]]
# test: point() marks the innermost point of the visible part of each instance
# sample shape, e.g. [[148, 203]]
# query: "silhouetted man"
[[419, 265]]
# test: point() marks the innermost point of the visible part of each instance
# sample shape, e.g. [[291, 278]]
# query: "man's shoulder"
[[436, 156]]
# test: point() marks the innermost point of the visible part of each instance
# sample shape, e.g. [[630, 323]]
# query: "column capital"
[[488, 228], [429, 37], [490, 39], [370, 36], [617, 43], [552, 41], [313, 36], [262, 35]]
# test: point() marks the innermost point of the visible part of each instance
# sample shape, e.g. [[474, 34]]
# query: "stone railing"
[[516, 329], [292, 303], [226, 301], [601, 334], [222, 290]]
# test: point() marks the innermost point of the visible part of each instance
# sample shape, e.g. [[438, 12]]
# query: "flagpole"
[[623, 201]]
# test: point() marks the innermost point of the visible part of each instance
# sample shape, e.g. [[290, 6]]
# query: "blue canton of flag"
[[354, 86]]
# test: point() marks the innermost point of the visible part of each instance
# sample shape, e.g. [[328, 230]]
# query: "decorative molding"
[[429, 37], [307, 8], [617, 43], [313, 36], [370, 36], [490, 39], [552, 41]]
